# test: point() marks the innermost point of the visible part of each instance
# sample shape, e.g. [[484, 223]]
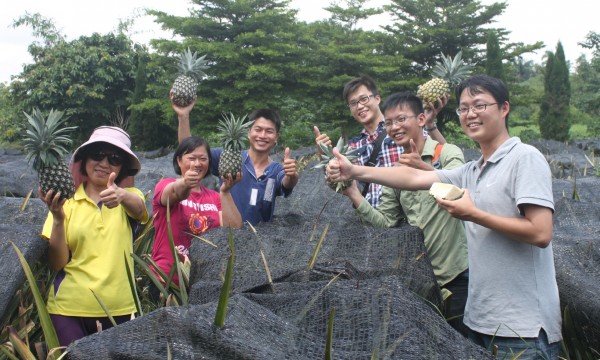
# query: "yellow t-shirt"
[[98, 239]]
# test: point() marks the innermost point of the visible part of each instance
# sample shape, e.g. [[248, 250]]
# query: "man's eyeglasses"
[[361, 100], [113, 159], [397, 121], [476, 109]]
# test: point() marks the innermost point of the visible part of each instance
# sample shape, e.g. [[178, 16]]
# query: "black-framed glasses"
[[113, 159], [476, 109], [397, 121], [361, 100]]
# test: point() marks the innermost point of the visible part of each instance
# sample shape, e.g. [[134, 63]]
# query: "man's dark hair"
[[187, 146], [355, 83], [403, 99], [479, 83], [268, 114]]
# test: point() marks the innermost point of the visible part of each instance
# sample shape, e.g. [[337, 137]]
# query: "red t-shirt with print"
[[194, 215]]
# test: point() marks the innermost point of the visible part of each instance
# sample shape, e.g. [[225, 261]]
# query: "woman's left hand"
[[229, 181]]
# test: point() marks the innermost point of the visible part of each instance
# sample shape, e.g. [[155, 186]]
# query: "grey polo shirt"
[[512, 285]]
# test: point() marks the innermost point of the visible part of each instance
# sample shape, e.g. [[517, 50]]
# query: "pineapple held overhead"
[[45, 143], [446, 75], [233, 132], [327, 154], [190, 73]]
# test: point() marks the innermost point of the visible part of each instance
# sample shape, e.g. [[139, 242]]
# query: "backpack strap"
[[437, 152]]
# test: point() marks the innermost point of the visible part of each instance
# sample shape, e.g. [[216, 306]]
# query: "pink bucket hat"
[[116, 137]]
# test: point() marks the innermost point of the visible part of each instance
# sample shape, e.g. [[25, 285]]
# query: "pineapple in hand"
[[190, 73], [327, 155], [45, 143], [447, 74], [233, 132]]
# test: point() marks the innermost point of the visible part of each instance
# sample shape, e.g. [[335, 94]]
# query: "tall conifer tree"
[[554, 120]]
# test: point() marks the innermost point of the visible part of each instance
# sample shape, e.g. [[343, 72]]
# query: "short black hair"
[[402, 99], [477, 84], [355, 83], [268, 114], [187, 146]]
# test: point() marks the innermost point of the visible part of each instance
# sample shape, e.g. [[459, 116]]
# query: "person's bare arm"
[[230, 215], [114, 195], [183, 118], [535, 227], [58, 251], [398, 177], [180, 189], [431, 111]]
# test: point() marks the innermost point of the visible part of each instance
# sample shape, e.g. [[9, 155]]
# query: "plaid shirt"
[[388, 156]]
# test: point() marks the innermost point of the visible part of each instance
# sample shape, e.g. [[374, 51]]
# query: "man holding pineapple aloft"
[[363, 99], [262, 178]]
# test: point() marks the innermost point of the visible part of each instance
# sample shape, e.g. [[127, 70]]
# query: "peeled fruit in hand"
[[446, 191]]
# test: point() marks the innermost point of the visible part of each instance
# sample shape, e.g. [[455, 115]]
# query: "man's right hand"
[[182, 110], [321, 138]]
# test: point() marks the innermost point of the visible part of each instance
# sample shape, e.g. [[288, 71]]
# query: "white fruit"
[[445, 191]]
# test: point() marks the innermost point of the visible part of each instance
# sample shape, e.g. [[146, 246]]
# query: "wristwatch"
[[431, 128]]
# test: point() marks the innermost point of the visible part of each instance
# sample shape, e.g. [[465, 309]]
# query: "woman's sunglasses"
[[113, 159]]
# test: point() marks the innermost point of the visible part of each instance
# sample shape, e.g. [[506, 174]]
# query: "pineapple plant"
[[190, 69], [327, 154], [45, 143], [446, 75], [233, 132]]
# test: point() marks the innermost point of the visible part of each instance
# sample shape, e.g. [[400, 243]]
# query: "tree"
[[554, 119], [493, 62], [88, 78], [352, 13]]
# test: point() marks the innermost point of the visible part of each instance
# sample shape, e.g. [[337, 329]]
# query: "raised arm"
[[183, 118], [431, 112], [398, 177]]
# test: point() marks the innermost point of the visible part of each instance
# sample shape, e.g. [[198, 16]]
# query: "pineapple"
[[448, 73], [45, 142], [233, 135], [190, 73], [327, 154]]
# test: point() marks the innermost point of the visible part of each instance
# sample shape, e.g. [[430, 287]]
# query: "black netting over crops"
[[379, 282], [22, 228], [576, 247]]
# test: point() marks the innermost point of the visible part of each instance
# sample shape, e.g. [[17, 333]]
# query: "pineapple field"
[[314, 259]]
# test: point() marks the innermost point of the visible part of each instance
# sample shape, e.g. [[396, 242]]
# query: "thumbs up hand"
[[321, 138], [412, 158], [339, 168], [111, 197], [290, 167]]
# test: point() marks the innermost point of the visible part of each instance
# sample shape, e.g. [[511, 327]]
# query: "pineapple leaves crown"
[[453, 70], [192, 65], [327, 153], [45, 140], [233, 131]]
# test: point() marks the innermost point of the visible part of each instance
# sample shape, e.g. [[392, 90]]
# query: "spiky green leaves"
[[327, 155], [233, 131], [191, 71], [192, 65], [447, 74], [45, 140], [453, 70]]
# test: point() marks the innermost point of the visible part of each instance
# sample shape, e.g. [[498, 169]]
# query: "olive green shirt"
[[445, 238]]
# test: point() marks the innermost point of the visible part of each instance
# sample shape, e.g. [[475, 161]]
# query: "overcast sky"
[[528, 20]]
